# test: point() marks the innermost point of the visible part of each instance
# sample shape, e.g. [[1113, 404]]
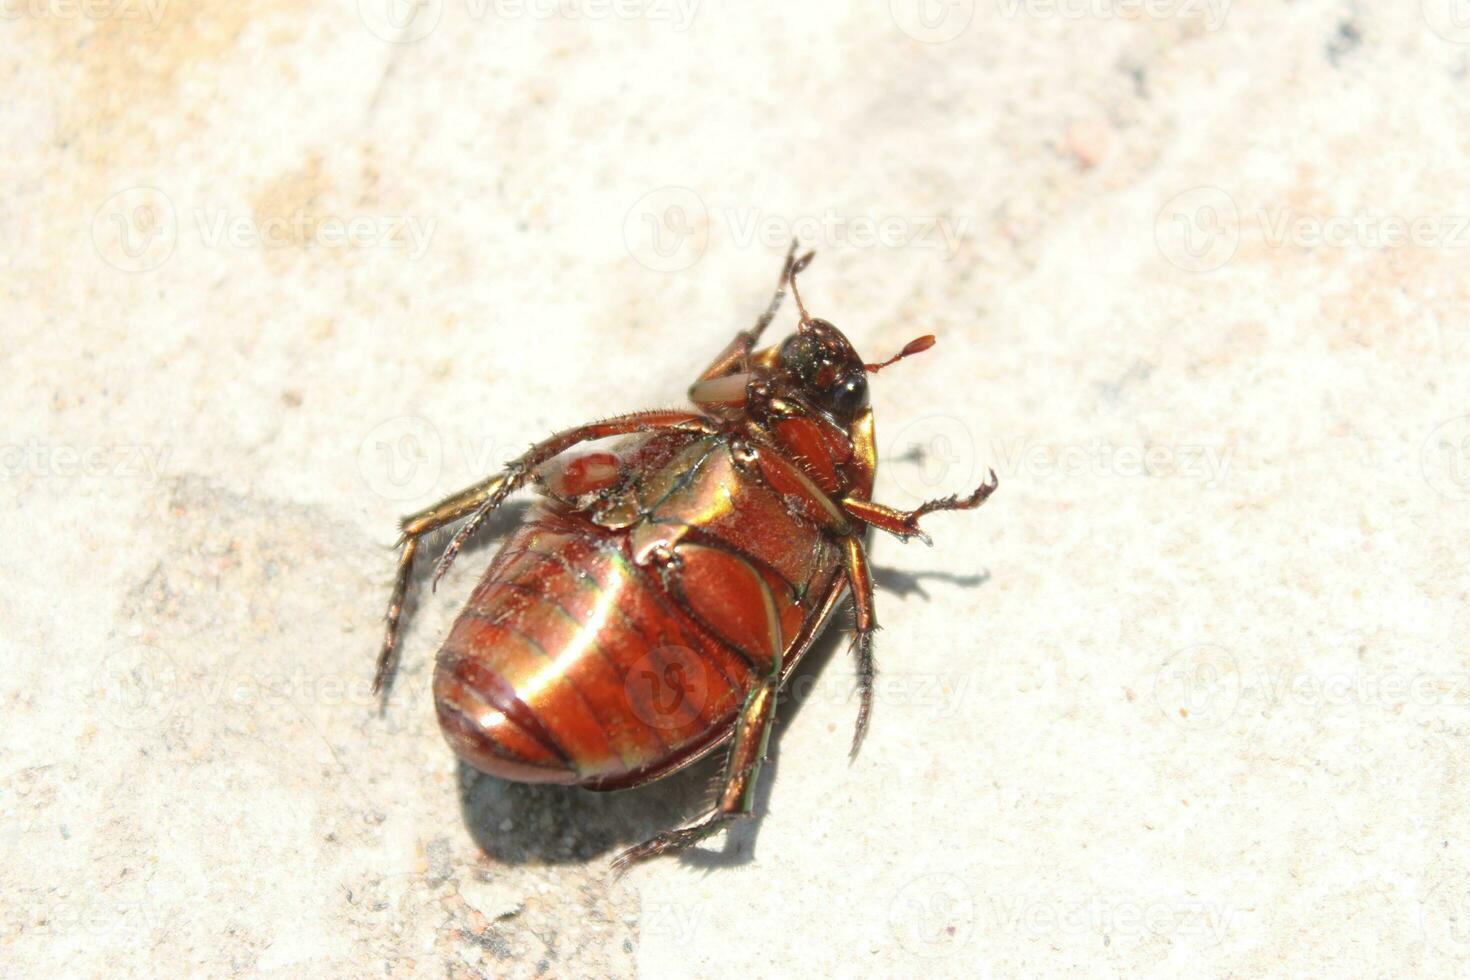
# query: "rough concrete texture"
[[1188, 697]]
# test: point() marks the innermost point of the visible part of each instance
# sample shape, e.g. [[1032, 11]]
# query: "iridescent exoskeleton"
[[651, 606]]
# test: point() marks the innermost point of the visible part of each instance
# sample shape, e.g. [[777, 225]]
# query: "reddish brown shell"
[[617, 633]]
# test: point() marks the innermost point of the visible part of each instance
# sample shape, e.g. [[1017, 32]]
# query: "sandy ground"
[[1189, 697]]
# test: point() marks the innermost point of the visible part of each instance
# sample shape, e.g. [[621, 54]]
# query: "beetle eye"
[[850, 396]]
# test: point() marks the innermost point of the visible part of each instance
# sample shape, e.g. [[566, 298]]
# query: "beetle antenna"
[[916, 346], [797, 267]]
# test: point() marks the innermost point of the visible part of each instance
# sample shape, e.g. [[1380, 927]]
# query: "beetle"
[[652, 605]]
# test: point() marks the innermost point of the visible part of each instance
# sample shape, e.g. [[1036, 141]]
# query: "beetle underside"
[[652, 608]]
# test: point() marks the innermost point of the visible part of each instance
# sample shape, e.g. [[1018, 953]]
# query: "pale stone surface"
[[1187, 698]]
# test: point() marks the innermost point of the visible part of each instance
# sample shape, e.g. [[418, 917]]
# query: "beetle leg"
[[904, 524], [860, 581], [520, 470], [478, 501], [736, 356], [414, 527], [742, 770]]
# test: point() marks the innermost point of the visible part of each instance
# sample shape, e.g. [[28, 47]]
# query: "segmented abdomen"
[[605, 655]]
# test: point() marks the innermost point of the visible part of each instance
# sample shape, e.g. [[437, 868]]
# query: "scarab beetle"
[[650, 608]]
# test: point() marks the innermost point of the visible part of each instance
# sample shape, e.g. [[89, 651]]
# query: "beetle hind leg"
[[520, 471], [479, 501], [867, 671], [408, 547], [860, 582], [737, 791], [673, 841], [415, 527]]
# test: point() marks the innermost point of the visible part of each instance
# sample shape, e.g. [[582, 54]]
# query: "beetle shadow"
[[905, 584], [740, 839], [518, 823]]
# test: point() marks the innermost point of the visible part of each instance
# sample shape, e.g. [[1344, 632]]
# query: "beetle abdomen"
[[603, 656], [569, 665]]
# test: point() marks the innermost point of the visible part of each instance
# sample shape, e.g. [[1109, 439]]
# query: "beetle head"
[[819, 362]]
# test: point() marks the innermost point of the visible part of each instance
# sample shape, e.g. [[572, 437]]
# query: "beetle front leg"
[[736, 356], [904, 524], [742, 770]]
